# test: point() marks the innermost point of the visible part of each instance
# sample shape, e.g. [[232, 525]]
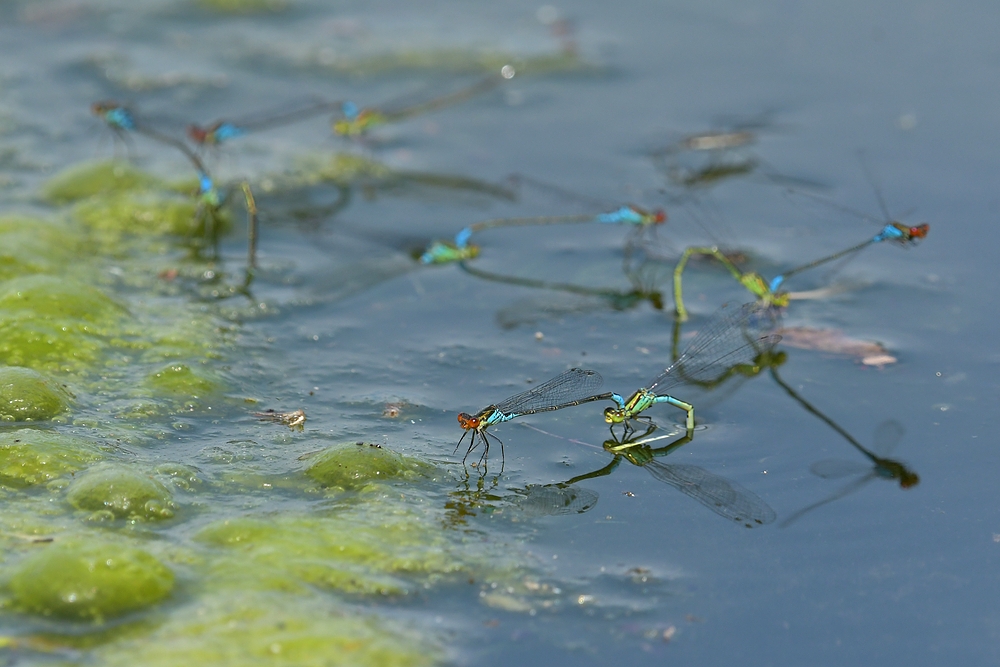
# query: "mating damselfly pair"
[[736, 335]]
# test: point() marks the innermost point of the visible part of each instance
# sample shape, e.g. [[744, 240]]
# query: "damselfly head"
[[197, 134], [103, 107], [467, 421], [908, 479], [906, 234], [614, 415], [641, 216], [920, 231]]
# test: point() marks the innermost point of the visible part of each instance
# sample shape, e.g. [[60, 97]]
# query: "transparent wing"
[[835, 468], [576, 384], [887, 436], [735, 335], [724, 497], [552, 500], [404, 107]]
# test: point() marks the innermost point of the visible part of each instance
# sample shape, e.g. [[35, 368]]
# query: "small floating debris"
[[393, 410], [830, 340], [290, 419]]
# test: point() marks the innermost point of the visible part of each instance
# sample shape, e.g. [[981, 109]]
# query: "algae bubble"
[[351, 467], [88, 580], [115, 491], [246, 629], [28, 396], [30, 456]]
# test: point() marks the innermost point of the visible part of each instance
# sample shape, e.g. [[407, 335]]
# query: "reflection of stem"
[[600, 472], [636, 450], [884, 467], [251, 228], [454, 183], [614, 296], [538, 284], [826, 420]]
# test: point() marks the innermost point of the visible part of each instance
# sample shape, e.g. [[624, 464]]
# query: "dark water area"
[[448, 565]]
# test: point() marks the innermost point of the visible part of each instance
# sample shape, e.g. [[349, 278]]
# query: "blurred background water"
[[633, 572]]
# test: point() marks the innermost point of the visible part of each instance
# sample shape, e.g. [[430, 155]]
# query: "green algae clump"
[[149, 212], [27, 396], [387, 545], [123, 493], [181, 382], [244, 7], [30, 456], [58, 299], [55, 323], [30, 245], [88, 580], [352, 467], [258, 630], [95, 178]]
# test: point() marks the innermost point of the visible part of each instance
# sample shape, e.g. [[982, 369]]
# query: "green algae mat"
[[115, 541]]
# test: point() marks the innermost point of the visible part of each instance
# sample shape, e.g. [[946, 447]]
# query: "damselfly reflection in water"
[[575, 298], [879, 466], [703, 160], [723, 496]]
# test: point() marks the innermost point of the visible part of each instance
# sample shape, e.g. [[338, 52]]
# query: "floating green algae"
[[32, 245], [146, 213], [116, 199], [354, 466], [456, 60], [385, 545], [256, 577], [181, 382], [269, 629], [459, 60], [96, 178], [118, 492], [348, 169], [58, 299], [89, 580], [28, 396], [32, 456], [55, 323], [244, 7], [342, 168]]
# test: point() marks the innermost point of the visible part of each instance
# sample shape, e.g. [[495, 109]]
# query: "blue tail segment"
[[462, 238], [624, 214]]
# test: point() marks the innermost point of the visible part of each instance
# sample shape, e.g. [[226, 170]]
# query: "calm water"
[[882, 574]]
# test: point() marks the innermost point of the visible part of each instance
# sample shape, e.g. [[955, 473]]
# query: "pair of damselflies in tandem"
[[735, 337], [349, 118], [770, 291]]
